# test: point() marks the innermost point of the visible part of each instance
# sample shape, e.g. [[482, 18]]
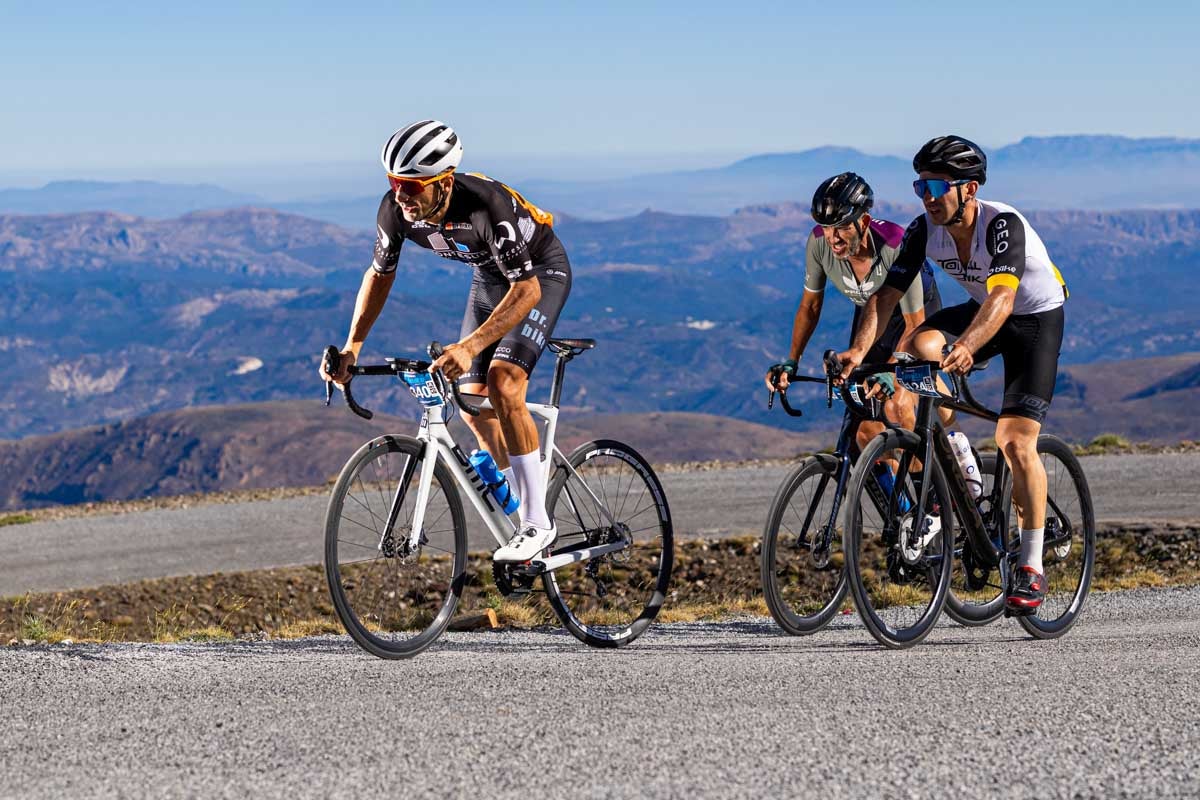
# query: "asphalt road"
[[92, 551], [698, 710]]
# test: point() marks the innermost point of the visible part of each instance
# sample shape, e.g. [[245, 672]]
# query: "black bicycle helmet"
[[954, 156], [841, 199]]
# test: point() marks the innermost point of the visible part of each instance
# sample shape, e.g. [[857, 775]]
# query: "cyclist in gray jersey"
[[854, 252]]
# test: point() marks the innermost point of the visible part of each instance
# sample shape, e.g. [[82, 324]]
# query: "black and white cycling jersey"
[[487, 225], [1006, 251]]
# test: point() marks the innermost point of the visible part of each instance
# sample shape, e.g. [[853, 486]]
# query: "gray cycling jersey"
[[822, 265]]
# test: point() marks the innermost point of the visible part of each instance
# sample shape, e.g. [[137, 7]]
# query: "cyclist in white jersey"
[[1015, 311]]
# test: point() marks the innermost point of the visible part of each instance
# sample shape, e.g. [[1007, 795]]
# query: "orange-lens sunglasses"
[[413, 186]]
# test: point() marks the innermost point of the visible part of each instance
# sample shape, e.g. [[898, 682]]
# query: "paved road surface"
[[77, 553], [713, 710]]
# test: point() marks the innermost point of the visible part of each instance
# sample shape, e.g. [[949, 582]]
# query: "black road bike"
[[802, 565], [899, 563]]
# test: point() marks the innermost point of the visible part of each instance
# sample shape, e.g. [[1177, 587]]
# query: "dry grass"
[[299, 629], [716, 610]]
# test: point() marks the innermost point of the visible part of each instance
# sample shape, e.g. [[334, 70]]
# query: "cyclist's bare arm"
[[808, 314], [372, 295], [988, 319], [516, 304], [879, 306]]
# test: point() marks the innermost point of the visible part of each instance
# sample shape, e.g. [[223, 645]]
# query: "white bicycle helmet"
[[422, 150]]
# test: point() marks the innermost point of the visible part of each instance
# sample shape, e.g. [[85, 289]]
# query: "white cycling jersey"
[[1006, 252]]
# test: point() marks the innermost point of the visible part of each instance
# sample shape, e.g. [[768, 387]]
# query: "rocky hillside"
[[302, 443]]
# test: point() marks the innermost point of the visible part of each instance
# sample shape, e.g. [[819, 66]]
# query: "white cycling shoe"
[[527, 544]]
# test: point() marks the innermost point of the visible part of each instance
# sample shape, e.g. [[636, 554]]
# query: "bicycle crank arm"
[[540, 566]]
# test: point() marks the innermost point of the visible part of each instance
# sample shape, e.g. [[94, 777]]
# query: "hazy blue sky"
[[93, 88]]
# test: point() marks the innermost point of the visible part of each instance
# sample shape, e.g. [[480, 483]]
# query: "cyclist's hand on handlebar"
[[850, 360], [779, 374], [454, 361], [881, 384], [346, 360], [959, 360]]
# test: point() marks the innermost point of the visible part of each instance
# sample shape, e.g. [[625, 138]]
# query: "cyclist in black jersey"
[[521, 281], [1015, 311]]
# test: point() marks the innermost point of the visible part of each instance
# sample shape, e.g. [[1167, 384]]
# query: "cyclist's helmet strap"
[[841, 199], [954, 156]]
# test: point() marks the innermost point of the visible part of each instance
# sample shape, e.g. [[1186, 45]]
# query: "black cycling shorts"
[[1029, 345], [522, 345], [887, 342]]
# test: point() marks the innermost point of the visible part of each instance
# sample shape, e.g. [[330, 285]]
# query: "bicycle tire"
[[380, 611], [780, 539], [935, 559], [1058, 611], [610, 601]]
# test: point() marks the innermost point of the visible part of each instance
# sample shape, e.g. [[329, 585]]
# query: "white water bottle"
[[966, 462]]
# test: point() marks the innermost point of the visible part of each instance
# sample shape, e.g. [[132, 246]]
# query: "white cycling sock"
[[1031, 548], [531, 488]]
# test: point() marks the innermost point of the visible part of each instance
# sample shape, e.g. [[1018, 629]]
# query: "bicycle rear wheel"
[[1070, 550], [609, 600], [898, 566], [394, 602], [803, 586]]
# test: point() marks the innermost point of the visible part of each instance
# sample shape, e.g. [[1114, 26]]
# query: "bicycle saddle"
[[571, 344]]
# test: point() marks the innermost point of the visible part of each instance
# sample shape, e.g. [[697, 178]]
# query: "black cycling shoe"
[[1026, 592]]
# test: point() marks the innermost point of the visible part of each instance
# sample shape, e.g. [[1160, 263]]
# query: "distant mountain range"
[[112, 317], [138, 198], [1056, 172]]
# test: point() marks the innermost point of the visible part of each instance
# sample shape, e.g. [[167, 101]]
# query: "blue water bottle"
[[887, 482], [485, 465]]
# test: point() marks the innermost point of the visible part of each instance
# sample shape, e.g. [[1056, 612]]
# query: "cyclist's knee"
[[1017, 439], [507, 384], [928, 343]]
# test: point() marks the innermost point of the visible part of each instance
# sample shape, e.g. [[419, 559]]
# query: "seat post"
[[560, 371]]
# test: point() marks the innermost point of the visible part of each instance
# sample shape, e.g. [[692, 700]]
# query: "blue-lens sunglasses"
[[935, 186]]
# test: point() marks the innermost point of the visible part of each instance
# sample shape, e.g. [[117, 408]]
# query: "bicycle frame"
[[434, 433]]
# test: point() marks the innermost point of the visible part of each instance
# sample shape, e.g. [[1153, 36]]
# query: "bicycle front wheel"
[[803, 568], [1070, 545], [898, 562], [392, 598], [609, 495]]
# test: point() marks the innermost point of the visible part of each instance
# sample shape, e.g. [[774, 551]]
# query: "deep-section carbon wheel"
[[802, 566], [898, 564], [610, 600], [393, 599], [1070, 545]]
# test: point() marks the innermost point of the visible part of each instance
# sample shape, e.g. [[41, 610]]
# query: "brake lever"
[[833, 368], [329, 363]]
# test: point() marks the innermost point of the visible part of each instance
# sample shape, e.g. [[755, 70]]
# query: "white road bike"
[[396, 535]]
